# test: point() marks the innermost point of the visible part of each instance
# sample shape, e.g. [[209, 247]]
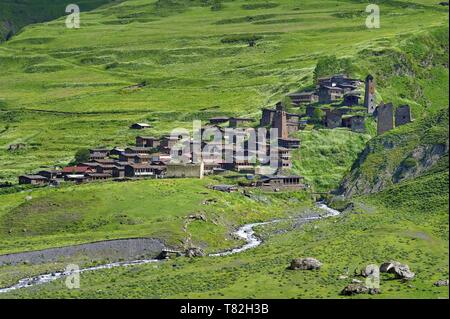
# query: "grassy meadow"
[[395, 224]]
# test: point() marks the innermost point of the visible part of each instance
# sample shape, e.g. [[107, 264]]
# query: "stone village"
[[335, 102]]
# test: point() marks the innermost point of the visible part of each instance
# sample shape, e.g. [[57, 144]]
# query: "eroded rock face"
[[305, 264], [354, 289], [400, 270]]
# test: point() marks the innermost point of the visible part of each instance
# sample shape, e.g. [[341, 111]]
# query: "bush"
[[82, 155]]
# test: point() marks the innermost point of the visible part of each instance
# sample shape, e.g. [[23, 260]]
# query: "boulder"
[[374, 291], [441, 283], [354, 289], [368, 271], [305, 264], [194, 252], [400, 270]]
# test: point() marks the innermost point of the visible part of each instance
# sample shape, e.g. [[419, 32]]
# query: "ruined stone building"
[[385, 118], [333, 119], [403, 115], [369, 97], [329, 94], [357, 123], [351, 98]]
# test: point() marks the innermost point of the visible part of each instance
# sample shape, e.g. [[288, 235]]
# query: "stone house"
[[144, 170], [118, 171], [281, 182], [147, 141], [291, 143], [333, 119], [356, 123], [304, 98], [33, 180], [239, 121], [218, 120], [351, 98], [185, 170], [97, 176], [51, 174], [138, 150], [330, 94]]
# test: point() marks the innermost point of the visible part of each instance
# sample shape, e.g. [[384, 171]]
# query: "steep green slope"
[[63, 89], [16, 14], [401, 154]]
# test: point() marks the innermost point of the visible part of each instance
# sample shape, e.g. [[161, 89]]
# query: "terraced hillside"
[[63, 89], [168, 62]]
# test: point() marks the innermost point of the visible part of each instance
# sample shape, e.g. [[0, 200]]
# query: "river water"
[[245, 232]]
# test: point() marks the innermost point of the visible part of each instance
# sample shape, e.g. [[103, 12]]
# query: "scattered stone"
[[305, 264], [368, 271], [374, 291], [401, 271], [201, 217], [194, 252], [342, 277], [441, 283], [354, 289], [28, 198], [356, 281]]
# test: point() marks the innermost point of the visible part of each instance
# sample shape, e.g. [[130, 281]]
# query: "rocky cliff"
[[404, 153]]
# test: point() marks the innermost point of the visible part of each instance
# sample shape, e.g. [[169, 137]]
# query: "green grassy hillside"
[[16, 14], [63, 89], [404, 153]]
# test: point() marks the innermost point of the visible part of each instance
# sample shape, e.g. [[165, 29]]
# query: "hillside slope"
[[402, 154], [15, 14], [62, 89]]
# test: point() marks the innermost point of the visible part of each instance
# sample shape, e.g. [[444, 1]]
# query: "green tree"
[[82, 155], [318, 115]]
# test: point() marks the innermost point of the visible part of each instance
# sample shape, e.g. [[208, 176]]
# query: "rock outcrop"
[[402, 154], [441, 283], [305, 264], [354, 289], [400, 270]]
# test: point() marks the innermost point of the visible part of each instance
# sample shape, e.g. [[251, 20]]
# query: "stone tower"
[[385, 118], [369, 97], [280, 123]]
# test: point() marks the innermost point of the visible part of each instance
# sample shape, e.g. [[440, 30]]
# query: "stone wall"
[[403, 115], [185, 170], [385, 118]]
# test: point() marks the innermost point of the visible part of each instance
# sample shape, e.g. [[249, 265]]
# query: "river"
[[245, 232]]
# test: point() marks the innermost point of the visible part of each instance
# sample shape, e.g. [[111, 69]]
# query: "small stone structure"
[[403, 115], [385, 118], [333, 119], [185, 170]]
